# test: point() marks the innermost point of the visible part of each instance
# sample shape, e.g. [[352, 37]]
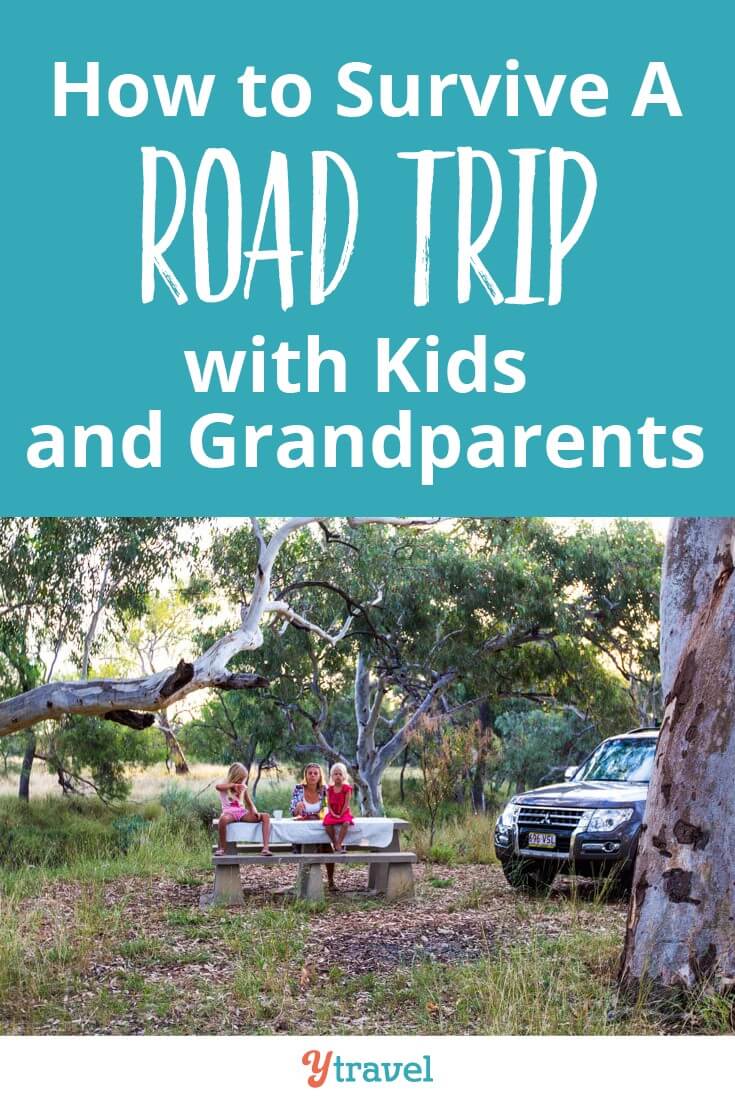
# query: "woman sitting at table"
[[307, 802], [310, 796]]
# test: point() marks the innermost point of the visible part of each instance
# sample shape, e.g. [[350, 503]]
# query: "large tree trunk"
[[118, 699], [369, 697], [681, 923], [29, 755], [369, 793]]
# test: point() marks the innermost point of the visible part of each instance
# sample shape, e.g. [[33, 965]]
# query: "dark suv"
[[589, 825]]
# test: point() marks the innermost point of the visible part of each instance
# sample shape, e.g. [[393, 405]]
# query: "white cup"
[[277, 814]]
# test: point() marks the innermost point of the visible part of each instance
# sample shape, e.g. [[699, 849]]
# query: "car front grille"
[[560, 821], [551, 818]]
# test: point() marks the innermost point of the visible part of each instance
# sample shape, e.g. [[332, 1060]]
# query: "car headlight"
[[605, 819], [509, 815]]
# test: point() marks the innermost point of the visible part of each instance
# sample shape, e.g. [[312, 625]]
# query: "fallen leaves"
[[152, 962]]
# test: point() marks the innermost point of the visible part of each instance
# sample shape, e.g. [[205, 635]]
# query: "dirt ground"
[[154, 961]]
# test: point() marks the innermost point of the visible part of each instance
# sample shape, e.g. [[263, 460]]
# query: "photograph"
[[366, 775], [438, 798]]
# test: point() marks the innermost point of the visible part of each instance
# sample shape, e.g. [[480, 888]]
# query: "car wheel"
[[531, 876]]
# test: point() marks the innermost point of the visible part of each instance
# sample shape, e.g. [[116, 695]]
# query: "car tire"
[[527, 875]]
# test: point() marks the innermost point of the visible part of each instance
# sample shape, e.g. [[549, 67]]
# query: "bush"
[[188, 809], [274, 797], [104, 750], [127, 830], [57, 831]]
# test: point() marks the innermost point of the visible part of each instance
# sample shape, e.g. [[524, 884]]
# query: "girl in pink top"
[[238, 807]]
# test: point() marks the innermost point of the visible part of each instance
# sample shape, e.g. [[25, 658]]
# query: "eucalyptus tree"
[[415, 622], [134, 700], [62, 581], [440, 622], [680, 922], [497, 610]]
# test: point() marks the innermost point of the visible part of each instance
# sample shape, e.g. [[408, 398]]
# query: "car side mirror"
[[570, 771]]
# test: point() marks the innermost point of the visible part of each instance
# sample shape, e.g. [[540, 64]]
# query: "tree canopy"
[[352, 630]]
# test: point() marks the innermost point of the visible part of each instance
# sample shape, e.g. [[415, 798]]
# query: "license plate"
[[542, 841]]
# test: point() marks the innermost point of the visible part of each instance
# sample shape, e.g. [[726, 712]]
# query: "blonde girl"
[[238, 807], [338, 818]]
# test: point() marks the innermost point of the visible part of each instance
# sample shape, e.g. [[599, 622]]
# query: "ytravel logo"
[[328, 1066]]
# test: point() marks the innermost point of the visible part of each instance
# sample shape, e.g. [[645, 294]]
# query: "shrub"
[[187, 808], [274, 797], [57, 831], [127, 829]]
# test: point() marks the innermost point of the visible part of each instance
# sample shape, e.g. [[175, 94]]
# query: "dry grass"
[[114, 941], [147, 784], [136, 955]]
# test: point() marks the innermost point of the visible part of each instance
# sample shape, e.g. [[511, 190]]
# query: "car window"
[[622, 759]]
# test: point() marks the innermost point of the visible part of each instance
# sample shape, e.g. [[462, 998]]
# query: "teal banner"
[[406, 259]]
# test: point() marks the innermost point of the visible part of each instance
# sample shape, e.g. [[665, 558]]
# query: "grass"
[[543, 988], [148, 783], [162, 848], [100, 932], [467, 841], [550, 986], [50, 832]]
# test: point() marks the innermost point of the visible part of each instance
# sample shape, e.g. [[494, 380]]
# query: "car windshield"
[[620, 759]]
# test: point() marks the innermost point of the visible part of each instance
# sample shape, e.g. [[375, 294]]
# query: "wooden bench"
[[390, 871]]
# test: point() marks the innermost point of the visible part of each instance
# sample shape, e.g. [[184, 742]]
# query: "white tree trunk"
[[373, 760], [369, 698], [681, 922], [370, 794], [693, 561]]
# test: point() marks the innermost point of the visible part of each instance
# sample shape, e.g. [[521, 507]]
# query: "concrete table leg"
[[378, 873], [309, 882], [399, 882], [227, 886]]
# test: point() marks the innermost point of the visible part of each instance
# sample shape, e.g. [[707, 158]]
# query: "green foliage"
[[231, 727], [103, 751], [66, 585], [535, 743], [505, 609], [444, 754], [503, 606], [127, 829], [55, 572], [184, 808], [52, 832], [274, 797], [11, 749]]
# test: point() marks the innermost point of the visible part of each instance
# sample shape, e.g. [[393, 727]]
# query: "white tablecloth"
[[376, 833]]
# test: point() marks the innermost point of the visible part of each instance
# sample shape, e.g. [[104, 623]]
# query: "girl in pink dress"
[[338, 818], [238, 807]]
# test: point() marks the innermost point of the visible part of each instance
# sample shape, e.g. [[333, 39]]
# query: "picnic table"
[[375, 842]]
